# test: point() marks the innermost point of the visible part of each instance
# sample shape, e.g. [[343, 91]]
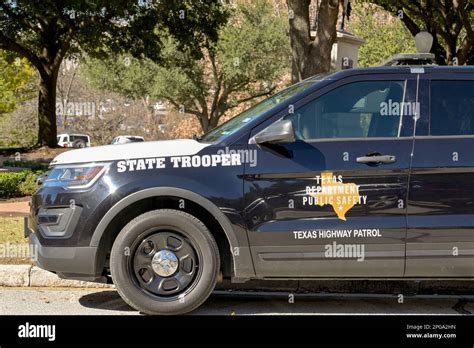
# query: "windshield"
[[237, 122]]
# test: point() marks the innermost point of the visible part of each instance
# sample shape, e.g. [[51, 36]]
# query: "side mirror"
[[280, 132]]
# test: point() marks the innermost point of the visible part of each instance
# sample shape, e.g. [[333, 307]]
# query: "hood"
[[145, 149]]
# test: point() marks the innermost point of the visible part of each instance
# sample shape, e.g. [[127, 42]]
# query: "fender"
[[242, 263]]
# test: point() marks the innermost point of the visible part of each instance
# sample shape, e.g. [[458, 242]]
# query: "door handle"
[[385, 159]]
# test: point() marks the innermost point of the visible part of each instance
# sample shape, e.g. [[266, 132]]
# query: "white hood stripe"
[[145, 149]]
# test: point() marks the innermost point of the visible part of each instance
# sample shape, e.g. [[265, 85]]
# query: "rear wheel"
[[165, 262]]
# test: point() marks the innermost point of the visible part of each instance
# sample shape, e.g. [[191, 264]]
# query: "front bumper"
[[67, 262]]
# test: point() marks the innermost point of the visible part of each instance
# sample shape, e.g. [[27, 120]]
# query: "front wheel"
[[165, 262]]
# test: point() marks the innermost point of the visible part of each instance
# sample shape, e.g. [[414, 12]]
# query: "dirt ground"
[[15, 207], [43, 154]]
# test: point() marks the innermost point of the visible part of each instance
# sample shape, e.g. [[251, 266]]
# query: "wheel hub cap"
[[164, 263]]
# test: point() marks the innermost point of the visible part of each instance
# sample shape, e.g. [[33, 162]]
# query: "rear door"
[[440, 239], [334, 202]]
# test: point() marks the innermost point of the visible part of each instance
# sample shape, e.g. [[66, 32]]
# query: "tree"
[[251, 53], [16, 78], [383, 33], [45, 32], [451, 22], [311, 55], [127, 76]]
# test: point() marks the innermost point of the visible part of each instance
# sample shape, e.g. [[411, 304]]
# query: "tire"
[[80, 144], [151, 287]]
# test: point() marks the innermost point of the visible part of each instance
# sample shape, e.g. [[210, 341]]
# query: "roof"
[[401, 69]]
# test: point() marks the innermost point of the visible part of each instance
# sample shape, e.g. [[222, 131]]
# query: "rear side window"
[[86, 139], [356, 110], [79, 137], [452, 108]]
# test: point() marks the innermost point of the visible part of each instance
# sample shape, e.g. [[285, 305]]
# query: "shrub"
[[10, 183], [15, 184], [26, 164], [28, 186]]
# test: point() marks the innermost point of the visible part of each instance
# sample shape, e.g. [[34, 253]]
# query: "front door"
[[333, 204]]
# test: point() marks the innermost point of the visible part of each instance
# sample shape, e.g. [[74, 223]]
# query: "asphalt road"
[[49, 301]]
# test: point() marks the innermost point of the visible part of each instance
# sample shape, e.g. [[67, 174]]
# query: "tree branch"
[[262, 94], [178, 106], [11, 45], [10, 13], [464, 15]]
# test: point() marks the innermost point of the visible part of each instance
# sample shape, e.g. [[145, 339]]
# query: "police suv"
[[362, 173]]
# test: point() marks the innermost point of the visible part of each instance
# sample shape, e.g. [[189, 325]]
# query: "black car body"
[[363, 173]]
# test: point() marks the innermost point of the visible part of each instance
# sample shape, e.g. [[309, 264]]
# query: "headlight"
[[75, 176]]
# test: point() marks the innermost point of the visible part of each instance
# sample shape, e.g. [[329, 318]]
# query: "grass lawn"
[[11, 230], [11, 233]]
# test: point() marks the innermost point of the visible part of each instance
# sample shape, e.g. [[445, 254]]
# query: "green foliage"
[[385, 35], [251, 53], [16, 76], [28, 186], [46, 32], [451, 22], [104, 26], [124, 75], [35, 166], [10, 183], [254, 46], [16, 184]]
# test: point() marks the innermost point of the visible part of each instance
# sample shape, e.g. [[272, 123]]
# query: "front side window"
[[356, 110], [452, 108]]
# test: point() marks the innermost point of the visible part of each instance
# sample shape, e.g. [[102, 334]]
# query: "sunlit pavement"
[[45, 301]]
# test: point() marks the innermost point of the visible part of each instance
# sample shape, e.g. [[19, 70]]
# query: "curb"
[[32, 276]]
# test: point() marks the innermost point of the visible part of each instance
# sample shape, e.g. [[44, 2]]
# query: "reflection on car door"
[[334, 202]]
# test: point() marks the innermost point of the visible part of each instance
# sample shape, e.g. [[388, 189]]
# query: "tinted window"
[[452, 108], [356, 110], [234, 124], [79, 137]]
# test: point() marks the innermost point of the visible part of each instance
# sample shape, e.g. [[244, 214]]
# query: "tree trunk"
[[311, 57], [204, 122], [214, 121], [47, 130]]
